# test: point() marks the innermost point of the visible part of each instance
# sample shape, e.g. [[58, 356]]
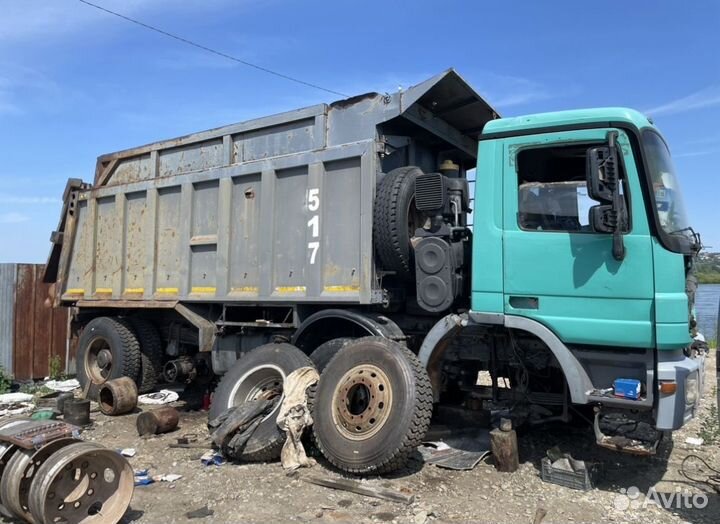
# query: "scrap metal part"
[[623, 443], [19, 473], [81, 483]]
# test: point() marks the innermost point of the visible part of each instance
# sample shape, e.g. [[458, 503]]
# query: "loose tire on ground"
[[261, 369], [108, 349], [395, 220], [326, 351], [372, 406], [151, 358]]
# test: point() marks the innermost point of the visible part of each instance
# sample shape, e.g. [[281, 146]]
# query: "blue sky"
[[76, 82]]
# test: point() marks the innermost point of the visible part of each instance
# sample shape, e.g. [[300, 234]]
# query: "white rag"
[[164, 396], [294, 417], [62, 385]]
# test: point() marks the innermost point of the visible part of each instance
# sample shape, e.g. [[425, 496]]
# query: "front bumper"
[[675, 409]]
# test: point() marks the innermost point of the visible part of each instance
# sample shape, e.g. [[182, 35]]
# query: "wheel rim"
[[82, 483], [19, 473], [260, 383], [98, 360], [362, 402]]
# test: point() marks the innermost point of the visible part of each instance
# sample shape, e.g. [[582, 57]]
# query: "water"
[[706, 308]]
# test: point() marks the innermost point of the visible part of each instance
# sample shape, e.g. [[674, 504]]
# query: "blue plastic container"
[[628, 388]]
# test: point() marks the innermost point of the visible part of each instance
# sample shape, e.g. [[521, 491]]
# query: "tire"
[[114, 338], [151, 358], [378, 370], [393, 218], [326, 351], [258, 369]]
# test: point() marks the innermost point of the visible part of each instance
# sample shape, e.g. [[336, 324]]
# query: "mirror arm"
[[618, 248]]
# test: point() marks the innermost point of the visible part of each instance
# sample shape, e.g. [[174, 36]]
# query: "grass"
[[56, 369], [5, 380], [710, 427]]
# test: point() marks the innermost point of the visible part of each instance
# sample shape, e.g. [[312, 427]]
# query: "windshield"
[[668, 197]]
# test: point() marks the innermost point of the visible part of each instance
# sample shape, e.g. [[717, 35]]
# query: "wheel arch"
[[334, 323], [439, 337]]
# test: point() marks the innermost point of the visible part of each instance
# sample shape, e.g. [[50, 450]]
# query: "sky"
[[76, 82]]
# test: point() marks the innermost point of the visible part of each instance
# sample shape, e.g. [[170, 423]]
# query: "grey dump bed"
[[278, 209]]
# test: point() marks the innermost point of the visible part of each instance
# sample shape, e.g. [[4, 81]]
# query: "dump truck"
[[416, 248]]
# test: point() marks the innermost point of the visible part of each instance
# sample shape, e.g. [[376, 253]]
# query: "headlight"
[[691, 390]]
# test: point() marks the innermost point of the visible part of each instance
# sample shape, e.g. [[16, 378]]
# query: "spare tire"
[[108, 348], [262, 369], [395, 220], [372, 406]]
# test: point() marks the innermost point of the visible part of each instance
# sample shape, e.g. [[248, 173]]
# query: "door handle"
[[518, 302]]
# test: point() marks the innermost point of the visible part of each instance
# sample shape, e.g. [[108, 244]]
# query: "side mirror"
[[603, 182]]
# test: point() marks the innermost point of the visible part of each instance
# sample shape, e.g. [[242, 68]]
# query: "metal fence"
[[31, 333]]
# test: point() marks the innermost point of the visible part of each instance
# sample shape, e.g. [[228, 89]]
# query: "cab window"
[[552, 189]]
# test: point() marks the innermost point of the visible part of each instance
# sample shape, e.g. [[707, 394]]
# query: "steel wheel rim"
[[82, 483], [98, 360], [362, 402], [19, 473], [261, 382]]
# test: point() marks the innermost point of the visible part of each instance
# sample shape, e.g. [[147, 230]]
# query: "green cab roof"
[[573, 117]]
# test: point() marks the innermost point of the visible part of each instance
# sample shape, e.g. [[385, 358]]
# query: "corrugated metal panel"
[[31, 332], [7, 308], [24, 341]]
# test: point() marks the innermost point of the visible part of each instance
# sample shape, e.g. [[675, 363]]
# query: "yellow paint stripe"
[[245, 289], [104, 291], [134, 290], [75, 291], [167, 290], [203, 290], [341, 289], [290, 289]]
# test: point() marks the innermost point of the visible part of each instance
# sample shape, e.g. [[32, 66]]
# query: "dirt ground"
[[264, 493]]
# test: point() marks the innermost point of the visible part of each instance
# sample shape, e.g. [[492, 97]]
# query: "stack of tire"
[[371, 407], [114, 347]]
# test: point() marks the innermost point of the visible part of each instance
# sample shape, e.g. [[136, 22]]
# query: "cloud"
[[507, 91], [18, 200], [708, 97], [695, 153], [26, 20], [13, 218]]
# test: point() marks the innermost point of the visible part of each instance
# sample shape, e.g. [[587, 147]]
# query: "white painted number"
[[313, 246], [314, 222], [313, 199]]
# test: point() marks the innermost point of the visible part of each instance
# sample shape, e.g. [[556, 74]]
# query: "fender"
[[438, 340], [373, 324]]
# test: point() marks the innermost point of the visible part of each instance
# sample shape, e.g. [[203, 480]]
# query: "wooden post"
[[503, 445]]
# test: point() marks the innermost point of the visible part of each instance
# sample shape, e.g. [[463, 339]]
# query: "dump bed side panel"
[[294, 228]]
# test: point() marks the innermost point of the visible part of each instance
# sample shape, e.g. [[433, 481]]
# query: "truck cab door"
[[557, 270]]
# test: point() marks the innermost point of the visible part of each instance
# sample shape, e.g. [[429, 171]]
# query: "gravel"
[[264, 493]]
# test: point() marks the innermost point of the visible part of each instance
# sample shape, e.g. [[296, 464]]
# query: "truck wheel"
[[326, 351], [254, 374], [151, 358], [107, 349], [395, 220], [372, 406]]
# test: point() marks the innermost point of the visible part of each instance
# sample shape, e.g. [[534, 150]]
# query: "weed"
[[710, 427], [56, 370], [5, 380]]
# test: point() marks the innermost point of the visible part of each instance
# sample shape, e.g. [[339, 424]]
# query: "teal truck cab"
[[348, 236], [581, 239]]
